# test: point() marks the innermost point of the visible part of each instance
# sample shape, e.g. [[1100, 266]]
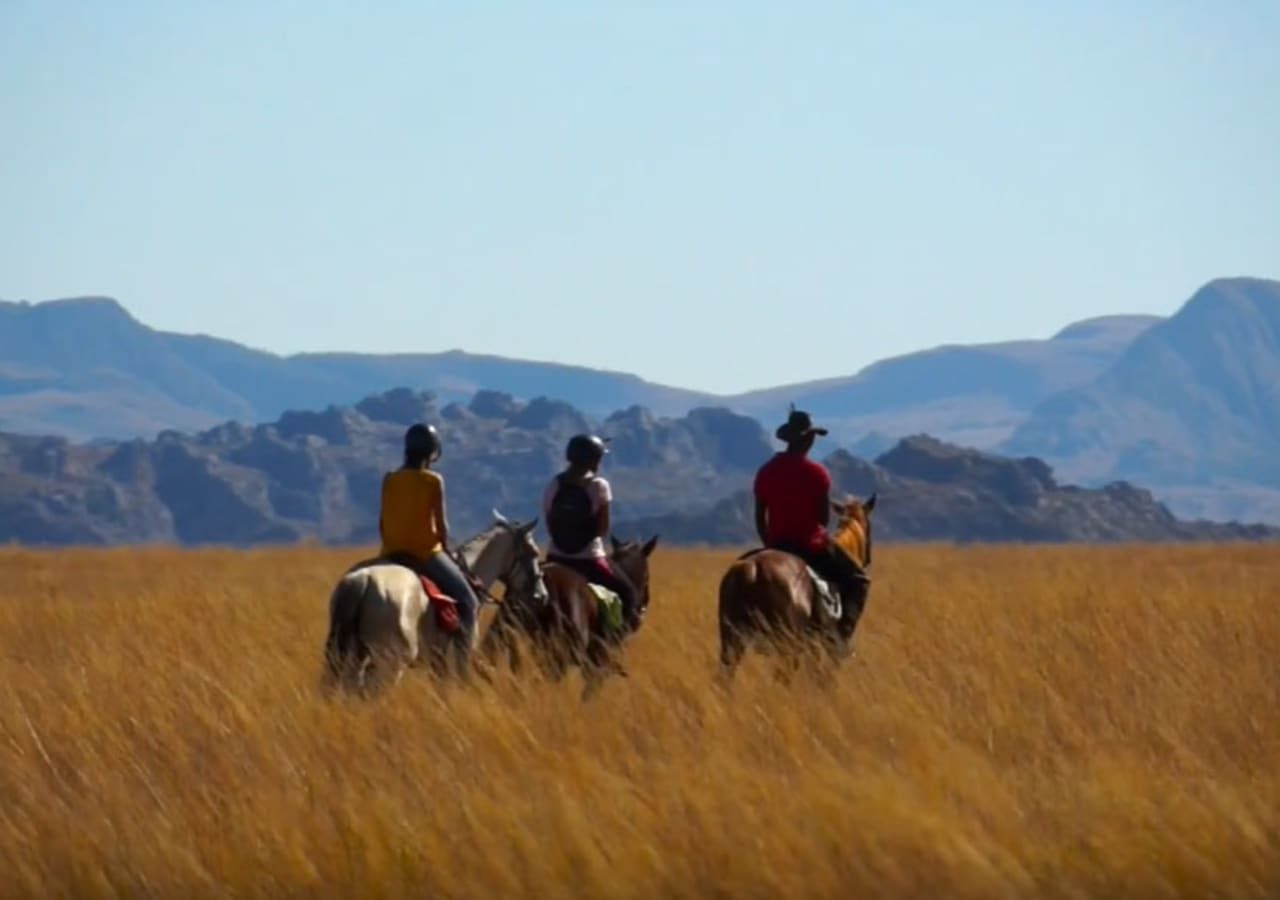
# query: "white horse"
[[381, 621]]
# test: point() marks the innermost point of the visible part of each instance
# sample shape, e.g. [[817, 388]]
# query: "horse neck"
[[632, 565], [479, 557], [854, 538]]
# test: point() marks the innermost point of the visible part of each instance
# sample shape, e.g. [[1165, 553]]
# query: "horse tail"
[[343, 645], [737, 589], [755, 596]]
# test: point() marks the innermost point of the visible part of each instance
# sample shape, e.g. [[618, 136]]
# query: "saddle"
[[610, 606], [826, 612], [608, 602], [444, 606]]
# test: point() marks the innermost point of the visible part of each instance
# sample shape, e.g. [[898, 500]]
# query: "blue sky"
[[717, 195]]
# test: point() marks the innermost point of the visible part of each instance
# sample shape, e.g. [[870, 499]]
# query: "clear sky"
[[716, 195]]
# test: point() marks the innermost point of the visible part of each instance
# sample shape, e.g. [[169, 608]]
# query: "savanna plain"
[[1018, 722]]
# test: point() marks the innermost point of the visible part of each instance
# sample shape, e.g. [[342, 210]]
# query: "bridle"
[[507, 577]]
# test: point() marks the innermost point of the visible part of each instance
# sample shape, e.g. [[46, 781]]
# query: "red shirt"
[[792, 487]]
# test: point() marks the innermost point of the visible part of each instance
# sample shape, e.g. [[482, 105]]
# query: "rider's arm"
[[824, 503], [442, 519], [602, 514], [602, 521], [762, 517]]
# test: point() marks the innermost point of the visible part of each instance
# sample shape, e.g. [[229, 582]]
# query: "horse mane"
[[853, 532], [464, 548]]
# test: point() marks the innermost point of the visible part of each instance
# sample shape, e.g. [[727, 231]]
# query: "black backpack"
[[570, 520]]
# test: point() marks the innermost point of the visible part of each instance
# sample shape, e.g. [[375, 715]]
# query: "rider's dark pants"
[[849, 579], [449, 578], [599, 570]]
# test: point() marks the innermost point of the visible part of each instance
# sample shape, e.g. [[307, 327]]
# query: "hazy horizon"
[[718, 197]]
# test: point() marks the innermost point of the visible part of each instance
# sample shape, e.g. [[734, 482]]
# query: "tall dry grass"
[[1019, 722]]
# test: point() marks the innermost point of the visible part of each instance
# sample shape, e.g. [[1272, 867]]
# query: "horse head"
[[633, 558], [853, 528], [505, 552], [521, 571]]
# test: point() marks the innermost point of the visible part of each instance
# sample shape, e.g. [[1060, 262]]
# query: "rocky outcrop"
[[932, 491], [316, 475]]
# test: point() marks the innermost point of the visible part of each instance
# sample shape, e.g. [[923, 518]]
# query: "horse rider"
[[576, 507], [793, 507], [414, 528]]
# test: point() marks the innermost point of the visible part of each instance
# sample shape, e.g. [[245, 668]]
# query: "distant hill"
[[84, 368], [972, 395], [315, 475], [1186, 406], [1191, 408]]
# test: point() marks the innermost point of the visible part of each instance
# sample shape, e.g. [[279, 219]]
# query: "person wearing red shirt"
[[793, 507]]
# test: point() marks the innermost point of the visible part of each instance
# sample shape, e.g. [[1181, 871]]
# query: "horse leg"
[[508, 640], [789, 663], [380, 671], [437, 650], [514, 660], [462, 656], [790, 650], [566, 642], [496, 641], [549, 648], [592, 679], [599, 661], [856, 604], [342, 669], [553, 664]]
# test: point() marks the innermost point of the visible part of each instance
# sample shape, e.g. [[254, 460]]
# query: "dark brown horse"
[[769, 595], [567, 630]]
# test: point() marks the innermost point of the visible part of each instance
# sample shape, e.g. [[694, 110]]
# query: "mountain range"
[[1188, 406], [315, 475]]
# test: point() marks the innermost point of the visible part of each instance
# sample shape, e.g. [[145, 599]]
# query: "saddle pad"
[[610, 607], [828, 597], [445, 607]]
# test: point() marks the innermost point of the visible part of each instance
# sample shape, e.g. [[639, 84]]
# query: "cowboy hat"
[[797, 426]]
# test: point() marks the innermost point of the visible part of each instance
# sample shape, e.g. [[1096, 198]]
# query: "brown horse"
[[768, 594], [567, 629]]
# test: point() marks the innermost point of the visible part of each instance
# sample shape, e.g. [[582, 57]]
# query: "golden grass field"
[[1019, 722]]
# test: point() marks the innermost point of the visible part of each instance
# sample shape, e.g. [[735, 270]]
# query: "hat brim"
[[788, 434]]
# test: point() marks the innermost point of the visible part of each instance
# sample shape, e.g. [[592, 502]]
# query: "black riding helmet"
[[585, 450], [422, 442]]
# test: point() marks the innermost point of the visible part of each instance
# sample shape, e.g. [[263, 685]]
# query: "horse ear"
[[839, 508], [528, 529], [617, 544], [500, 519], [649, 545], [870, 503]]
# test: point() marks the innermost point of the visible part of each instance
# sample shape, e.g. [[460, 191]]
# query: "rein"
[[476, 584], [459, 557]]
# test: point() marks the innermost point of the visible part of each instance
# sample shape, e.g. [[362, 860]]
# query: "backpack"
[[570, 519]]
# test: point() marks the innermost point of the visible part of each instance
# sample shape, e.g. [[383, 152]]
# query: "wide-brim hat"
[[798, 425]]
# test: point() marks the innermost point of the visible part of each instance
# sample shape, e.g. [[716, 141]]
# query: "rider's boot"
[[853, 598]]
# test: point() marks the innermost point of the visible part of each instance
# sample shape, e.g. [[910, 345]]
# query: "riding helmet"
[[585, 450], [422, 440]]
